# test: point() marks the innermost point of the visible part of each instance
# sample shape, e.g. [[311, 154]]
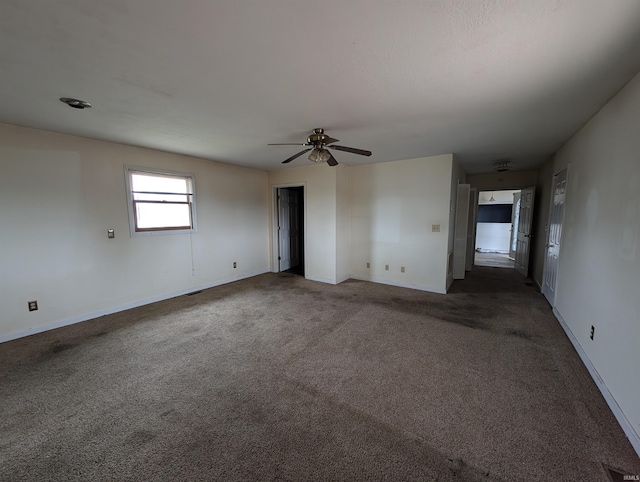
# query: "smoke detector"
[[502, 166], [75, 103]]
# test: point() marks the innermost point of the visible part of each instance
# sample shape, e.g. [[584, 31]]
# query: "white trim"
[[132, 225], [275, 266], [321, 279], [627, 427], [546, 234], [127, 306], [342, 279], [401, 285]]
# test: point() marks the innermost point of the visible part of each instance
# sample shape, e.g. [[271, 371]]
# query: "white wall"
[[499, 197], [319, 181], [393, 207], [343, 222], [599, 272], [59, 194], [493, 237], [503, 180]]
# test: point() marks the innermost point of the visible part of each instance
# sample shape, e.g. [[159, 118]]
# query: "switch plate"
[[235, 264], [386, 267], [402, 269], [111, 233], [33, 305], [368, 265], [435, 228]]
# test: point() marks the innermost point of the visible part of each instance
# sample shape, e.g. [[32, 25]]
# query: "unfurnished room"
[[299, 240]]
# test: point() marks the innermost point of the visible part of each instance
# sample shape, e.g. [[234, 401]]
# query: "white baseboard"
[[127, 306], [627, 427], [321, 279], [401, 285]]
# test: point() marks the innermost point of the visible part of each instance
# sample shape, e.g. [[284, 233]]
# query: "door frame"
[[527, 237], [460, 228], [556, 172], [513, 236], [275, 241]]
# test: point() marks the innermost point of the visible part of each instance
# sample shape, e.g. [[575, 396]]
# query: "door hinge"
[[278, 228], [279, 258]]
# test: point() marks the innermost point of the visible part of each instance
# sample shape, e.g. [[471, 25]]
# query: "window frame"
[[131, 202]]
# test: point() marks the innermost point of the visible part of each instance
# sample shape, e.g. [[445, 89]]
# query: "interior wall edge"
[[624, 422], [116, 309]]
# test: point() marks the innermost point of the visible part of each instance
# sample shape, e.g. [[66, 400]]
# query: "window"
[[160, 201]]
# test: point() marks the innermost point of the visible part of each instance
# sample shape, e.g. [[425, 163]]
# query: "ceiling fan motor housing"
[[318, 138]]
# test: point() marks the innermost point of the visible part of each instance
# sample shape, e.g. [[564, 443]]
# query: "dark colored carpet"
[[281, 378]]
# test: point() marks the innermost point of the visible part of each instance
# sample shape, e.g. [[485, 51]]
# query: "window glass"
[[160, 201]]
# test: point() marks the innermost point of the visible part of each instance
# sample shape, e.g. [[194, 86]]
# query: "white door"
[[460, 231], [556, 217], [515, 218], [284, 229], [525, 223], [471, 228]]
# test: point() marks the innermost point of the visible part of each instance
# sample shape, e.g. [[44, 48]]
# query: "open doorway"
[[289, 229], [496, 238]]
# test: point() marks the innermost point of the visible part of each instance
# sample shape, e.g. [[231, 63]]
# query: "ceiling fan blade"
[[329, 140], [352, 150], [296, 155], [296, 144], [332, 160]]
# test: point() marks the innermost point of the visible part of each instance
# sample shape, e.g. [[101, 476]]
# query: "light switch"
[[111, 233]]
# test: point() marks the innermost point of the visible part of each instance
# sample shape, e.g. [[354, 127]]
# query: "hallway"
[[493, 260]]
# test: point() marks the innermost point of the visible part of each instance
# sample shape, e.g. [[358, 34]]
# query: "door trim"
[[275, 266], [525, 236], [556, 172]]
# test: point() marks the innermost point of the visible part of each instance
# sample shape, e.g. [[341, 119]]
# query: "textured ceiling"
[[220, 79]]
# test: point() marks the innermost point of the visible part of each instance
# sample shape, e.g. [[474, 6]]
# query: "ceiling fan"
[[318, 142]]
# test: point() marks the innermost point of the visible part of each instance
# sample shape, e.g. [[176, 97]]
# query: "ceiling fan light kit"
[[317, 142], [319, 155]]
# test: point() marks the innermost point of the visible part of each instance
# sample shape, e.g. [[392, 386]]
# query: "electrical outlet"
[[593, 332], [33, 305], [368, 265], [402, 269], [111, 233], [386, 267], [235, 264], [435, 228]]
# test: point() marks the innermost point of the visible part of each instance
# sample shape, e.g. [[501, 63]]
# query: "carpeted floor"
[[281, 378]]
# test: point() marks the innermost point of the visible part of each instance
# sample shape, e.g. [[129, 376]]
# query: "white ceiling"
[[219, 79]]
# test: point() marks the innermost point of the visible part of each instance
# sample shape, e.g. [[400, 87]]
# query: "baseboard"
[[127, 306], [537, 284], [627, 427], [401, 285], [321, 279]]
